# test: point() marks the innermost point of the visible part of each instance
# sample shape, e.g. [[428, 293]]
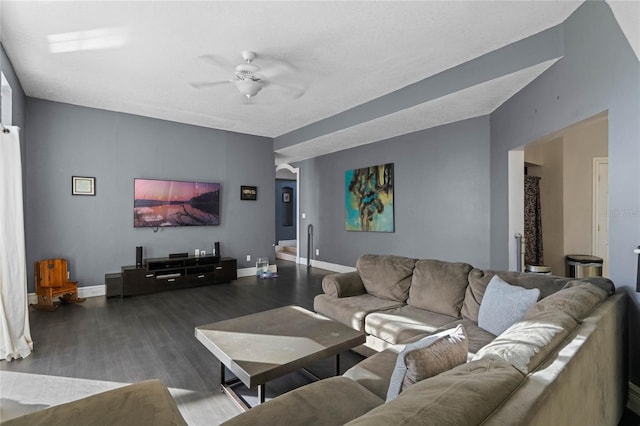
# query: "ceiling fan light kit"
[[248, 87], [247, 77]]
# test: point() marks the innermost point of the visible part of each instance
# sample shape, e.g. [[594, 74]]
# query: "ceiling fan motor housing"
[[247, 71]]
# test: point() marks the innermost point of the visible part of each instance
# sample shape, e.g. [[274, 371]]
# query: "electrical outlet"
[[248, 258], [317, 252], [304, 215]]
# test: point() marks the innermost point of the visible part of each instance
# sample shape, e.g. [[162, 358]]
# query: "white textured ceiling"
[[140, 58]]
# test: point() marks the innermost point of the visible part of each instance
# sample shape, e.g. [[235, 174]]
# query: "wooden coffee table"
[[261, 347]]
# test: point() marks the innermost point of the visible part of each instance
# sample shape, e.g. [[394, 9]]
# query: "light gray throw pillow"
[[428, 357], [504, 304]]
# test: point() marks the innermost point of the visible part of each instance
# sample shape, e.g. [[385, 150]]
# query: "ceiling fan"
[[249, 78]]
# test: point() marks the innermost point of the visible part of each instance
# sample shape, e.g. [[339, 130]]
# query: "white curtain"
[[15, 336]]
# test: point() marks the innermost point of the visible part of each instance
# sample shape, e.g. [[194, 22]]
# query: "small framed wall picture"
[[249, 193], [82, 185]]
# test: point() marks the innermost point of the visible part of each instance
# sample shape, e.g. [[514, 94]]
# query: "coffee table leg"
[[222, 378], [337, 364], [261, 389]]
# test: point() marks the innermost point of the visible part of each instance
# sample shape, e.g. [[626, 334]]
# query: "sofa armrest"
[[144, 403], [343, 285], [331, 401]]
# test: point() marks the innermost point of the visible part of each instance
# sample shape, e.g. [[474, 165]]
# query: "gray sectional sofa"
[[561, 363]]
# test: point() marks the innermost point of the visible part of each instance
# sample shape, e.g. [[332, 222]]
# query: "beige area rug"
[[22, 393]]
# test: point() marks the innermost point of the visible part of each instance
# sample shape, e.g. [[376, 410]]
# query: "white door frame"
[[296, 171], [516, 205], [595, 234]]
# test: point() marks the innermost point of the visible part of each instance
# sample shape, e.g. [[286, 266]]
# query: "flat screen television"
[[175, 203]]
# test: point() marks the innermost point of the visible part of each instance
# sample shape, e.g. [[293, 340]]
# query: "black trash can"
[[583, 266]]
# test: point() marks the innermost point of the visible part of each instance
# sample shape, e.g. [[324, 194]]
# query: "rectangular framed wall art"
[[369, 199], [249, 193], [82, 185]]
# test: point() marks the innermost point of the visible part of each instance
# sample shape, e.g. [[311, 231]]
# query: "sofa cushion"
[[386, 277], [464, 395], [343, 285], [439, 286], [374, 372], [476, 336], [527, 343], [504, 304], [577, 299], [332, 401], [144, 403], [426, 358], [479, 279], [400, 324], [352, 310]]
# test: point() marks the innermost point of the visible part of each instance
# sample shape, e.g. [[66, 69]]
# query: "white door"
[[600, 211]]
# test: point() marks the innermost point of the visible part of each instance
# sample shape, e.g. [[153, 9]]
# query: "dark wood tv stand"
[[168, 273]]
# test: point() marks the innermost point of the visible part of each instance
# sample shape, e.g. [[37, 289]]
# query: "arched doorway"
[[288, 205]]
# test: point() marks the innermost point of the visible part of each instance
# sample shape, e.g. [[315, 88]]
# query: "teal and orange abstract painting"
[[369, 199]]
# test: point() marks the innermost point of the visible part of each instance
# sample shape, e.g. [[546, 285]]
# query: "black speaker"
[[217, 249], [139, 257]]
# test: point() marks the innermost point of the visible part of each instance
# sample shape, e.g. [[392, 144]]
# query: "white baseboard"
[[633, 403], [334, 267], [89, 291]]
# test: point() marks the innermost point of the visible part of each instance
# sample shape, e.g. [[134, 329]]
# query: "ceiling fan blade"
[[277, 62], [207, 84], [293, 91], [218, 61]]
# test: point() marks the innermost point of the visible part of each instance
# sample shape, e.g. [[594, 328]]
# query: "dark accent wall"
[[96, 234], [285, 232], [441, 197], [599, 72]]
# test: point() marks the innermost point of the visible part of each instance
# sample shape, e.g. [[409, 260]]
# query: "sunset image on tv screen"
[[175, 203]]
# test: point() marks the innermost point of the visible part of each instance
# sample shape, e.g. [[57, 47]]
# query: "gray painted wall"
[[599, 72], [96, 234], [285, 232], [441, 197]]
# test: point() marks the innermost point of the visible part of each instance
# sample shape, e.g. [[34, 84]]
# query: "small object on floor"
[[267, 275]]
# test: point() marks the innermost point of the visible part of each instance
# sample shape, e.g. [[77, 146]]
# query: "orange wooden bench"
[[52, 280]]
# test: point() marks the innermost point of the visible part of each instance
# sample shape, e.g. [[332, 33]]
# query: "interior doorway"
[[574, 199], [287, 212]]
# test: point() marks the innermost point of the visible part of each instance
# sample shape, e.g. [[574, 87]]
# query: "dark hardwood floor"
[[152, 336]]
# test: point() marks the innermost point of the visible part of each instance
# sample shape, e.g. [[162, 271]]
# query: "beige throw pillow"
[[428, 357]]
